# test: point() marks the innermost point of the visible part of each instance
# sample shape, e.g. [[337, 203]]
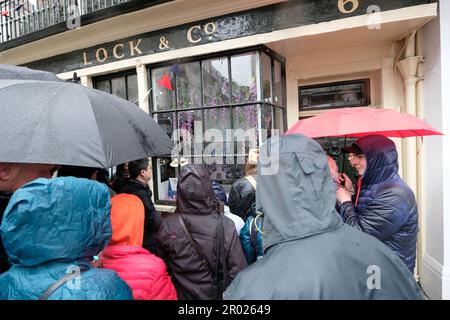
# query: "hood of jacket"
[[381, 157], [61, 219], [295, 191], [195, 194], [127, 220]]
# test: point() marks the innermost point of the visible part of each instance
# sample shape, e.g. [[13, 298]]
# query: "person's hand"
[[347, 183], [342, 195]]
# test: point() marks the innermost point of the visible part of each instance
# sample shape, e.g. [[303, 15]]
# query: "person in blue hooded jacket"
[[384, 206], [51, 228]]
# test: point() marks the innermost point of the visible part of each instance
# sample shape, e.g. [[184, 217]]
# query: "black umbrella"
[[67, 123], [23, 73]]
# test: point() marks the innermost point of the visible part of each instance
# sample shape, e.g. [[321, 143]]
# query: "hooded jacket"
[[145, 273], [309, 253], [52, 227], [242, 198], [197, 204], [386, 208]]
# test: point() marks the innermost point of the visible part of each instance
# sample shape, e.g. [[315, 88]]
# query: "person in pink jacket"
[[145, 273]]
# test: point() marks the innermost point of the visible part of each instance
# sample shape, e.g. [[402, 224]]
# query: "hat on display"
[[179, 162]]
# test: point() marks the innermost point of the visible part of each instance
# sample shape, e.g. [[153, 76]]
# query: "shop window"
[[226, 93], [123, 85], [354, 93]]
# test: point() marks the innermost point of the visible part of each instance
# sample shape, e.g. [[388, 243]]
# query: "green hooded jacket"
[[309, 253]]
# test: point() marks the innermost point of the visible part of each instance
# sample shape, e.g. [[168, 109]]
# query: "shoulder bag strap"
[[252, 181], [222, 267], [60, 283], [194, 244]]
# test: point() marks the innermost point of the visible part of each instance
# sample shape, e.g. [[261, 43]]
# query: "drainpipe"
[[408, 68]]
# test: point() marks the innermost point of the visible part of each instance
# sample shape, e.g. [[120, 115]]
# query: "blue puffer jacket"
[[51, 227], [386, 208]]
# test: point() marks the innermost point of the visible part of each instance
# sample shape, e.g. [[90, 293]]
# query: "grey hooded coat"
[[309, 253]]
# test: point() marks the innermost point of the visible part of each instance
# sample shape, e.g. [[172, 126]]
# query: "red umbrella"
[[359, 122]]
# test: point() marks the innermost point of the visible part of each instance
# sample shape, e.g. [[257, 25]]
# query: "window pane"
[[118, 87], [245, 122], [218, 118], [167, 121], [224, 173], [245, 117], [166, 179], [186, 121], [278, 87], [163, 98], [132, 88], [266, 122], [103, 86], [245, 78], [188, 86], [266, 62], [216, 85], [279, 120]]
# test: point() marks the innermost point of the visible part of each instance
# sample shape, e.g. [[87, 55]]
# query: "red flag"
[[5, 13], [165, 82]]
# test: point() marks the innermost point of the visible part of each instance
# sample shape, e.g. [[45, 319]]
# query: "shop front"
[[255, 71]]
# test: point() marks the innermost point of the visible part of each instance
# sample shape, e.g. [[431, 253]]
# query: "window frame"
[[111, 76], [259, 103]]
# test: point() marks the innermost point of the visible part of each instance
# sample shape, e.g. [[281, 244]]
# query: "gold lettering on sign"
[[105, 55], [210, 28], [341, 5], [134, 48], [189, 34], [85, 59], [115, 51]]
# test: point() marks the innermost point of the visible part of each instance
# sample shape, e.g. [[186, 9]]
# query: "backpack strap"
[[254, 237], [60, 283]]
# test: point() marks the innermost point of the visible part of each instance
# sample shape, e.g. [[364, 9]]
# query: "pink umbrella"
[[359, 122]]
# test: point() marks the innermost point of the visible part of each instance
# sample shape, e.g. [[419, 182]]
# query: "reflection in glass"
[[278, 88], [132, 88], [118, 87], [279, 120], [186, 125], [266, 122], [245, 78], [218, 118], [163, 98], [167, 121], [245, 123], [103, 86], [266, 62], [216, 85], [188, 86]]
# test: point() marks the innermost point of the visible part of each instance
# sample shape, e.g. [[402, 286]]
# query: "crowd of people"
[[305, 232]]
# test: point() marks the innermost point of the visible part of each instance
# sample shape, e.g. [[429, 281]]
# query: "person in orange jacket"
[[145, 273]]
